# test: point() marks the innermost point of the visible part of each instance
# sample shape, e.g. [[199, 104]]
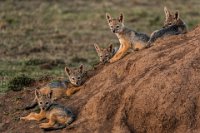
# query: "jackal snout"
[[44, 100], [171, 18], [75, 75], [105, 54], [116, 24]]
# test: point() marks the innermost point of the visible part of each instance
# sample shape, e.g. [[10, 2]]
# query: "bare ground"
[[153, 90]]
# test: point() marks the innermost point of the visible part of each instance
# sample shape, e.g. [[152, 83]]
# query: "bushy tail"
[[72, 119], [59, 126], [71, 115]]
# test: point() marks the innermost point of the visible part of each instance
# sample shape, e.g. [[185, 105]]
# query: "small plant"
[[17, 83]]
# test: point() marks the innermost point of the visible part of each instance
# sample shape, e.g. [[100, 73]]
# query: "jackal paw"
[[43, 125], [111, 61], [23, 118]]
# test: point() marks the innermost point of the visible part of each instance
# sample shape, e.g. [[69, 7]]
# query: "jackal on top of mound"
[[128, 38], [173, 25]]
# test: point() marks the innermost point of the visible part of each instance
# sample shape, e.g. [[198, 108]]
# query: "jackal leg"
[[34, 116], [50, 123], [72, 90], [122, 50]]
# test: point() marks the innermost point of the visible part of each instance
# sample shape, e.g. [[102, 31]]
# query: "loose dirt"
[[150, 91]]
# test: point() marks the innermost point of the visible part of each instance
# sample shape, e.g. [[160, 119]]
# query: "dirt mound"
[[153, 90]]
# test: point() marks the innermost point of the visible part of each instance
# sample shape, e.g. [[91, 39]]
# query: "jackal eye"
[[79, 78], [169, 23], [73, 78], [47, 102], [111, 26], [117, 26], [101, 56], [40, 102]]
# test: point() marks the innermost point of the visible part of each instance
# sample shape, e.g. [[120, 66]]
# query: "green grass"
[[62, 33]]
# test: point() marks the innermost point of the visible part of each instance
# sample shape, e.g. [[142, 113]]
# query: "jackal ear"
[[108, 17], [81, 68], [110, 48], [167, 12], [67, 70], [97, 48], [121, 18], [176, 15], [37, 93], [49, 95]]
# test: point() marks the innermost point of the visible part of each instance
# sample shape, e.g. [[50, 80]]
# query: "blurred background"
[[39, 37]]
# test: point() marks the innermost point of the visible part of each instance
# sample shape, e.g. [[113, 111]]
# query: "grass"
[[17, 83], [54, 34]]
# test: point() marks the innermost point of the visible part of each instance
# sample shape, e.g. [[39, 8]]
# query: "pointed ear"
[[110, 48], [49, 95], [37, 93], [97, 48], [176, 15], [81, 68], [67, 70], [108, 17], [167, 12], [121, 18]]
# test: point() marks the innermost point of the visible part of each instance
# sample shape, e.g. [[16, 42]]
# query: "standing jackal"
[[128, 38], [59, 117], [63, 88], [173, 25]]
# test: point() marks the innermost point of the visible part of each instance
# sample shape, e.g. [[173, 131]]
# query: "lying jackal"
[[63, 88], [173, 25], [59, 117], [128, 38], [105, 54]]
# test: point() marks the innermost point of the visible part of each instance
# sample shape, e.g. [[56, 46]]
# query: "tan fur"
[[128, 38], [139, 46], [72, 91], [51, 111], [60, 91], [125, 45], [76, 76]]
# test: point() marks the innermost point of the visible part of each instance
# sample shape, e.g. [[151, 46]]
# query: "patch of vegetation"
[[42, 37], [17, 83], [35, 62]]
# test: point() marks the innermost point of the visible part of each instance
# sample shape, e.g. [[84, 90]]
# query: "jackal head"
[[44, 100], [116, 24], [105, 54], [171, 18], [75, 75]]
